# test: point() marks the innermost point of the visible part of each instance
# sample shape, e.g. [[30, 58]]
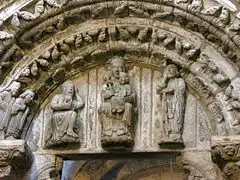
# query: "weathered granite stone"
[[15, 156], [172, 90], [226, 154], [61, 116], [117, 109], [45, 43]]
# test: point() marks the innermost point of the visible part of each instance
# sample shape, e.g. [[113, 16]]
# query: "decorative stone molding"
[[14, 156], [43, 43], [42, 20]]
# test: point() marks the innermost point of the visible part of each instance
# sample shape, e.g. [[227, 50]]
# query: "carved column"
[[48, 167], [226, 154], [198, 165], [15, 157]]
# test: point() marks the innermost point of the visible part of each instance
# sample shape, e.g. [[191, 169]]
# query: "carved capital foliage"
[[226, 154], [226, 148], [14, 156]]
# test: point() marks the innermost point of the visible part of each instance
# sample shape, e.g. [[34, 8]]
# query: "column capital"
[[15, 155]]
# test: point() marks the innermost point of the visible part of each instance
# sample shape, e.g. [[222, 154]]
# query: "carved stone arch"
[[125, 169], [44, 43], [232, 74]]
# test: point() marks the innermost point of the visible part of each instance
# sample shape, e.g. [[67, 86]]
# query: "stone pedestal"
[[15, 156]]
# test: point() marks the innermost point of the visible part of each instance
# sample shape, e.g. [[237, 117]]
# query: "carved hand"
[[167, 90]]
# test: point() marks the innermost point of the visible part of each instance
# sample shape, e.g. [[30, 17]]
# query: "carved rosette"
[[14, 156]]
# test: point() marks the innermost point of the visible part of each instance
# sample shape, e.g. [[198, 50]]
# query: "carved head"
[[28, 96], [124, 79], [116, 66], [171, 71], [14, 87], [68, 88]]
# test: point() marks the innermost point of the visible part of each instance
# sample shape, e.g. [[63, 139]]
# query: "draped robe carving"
[[172, 91], [19, 113], [6, 102], [117, 108], [61, 116]]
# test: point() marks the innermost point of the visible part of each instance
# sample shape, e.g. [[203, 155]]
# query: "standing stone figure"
[[62, 115], [19, 114], [172, 91], [117, 107], [7, 99]]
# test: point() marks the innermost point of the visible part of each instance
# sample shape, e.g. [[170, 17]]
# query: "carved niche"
[[172, 90], [117, 108], [61, 115]]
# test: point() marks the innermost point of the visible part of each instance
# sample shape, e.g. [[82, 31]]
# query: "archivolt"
[[81, 35]]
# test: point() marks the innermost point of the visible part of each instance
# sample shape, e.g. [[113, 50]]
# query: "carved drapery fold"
[[37, 52], [117, 111]]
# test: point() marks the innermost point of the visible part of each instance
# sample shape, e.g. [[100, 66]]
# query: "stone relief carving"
[[226, 154], [172, 91], [7, 99], [19, 113], [213, 15], [5, 35], [14, 157], [40, 7], [210, 70], [195, 6], [61, 116], [233, 99], [117, 108]]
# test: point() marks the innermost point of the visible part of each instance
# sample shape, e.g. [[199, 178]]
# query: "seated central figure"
[[116, 111]]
